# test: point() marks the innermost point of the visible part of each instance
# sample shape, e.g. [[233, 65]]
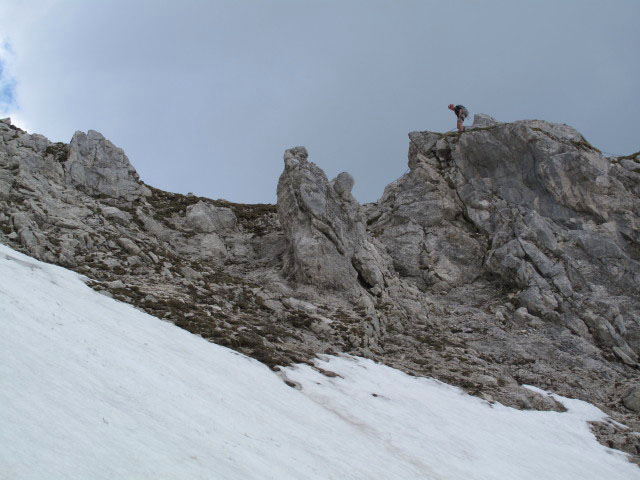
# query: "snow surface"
[[91, 388]]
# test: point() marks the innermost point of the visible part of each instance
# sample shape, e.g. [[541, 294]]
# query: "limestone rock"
[[482, 120], [327, 243], [129, 246], [507, 255], [419, 220], [95, 163], [530, 201], [116, 215], [204, 218], [632, 399], [151, 225], [212, 246]]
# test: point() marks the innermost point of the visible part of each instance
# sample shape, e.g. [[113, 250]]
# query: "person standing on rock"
[[462, 113]]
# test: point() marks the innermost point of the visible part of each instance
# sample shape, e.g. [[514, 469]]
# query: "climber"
[[461, 112]]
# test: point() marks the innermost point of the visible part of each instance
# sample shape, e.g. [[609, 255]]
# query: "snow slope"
[[91, 388]]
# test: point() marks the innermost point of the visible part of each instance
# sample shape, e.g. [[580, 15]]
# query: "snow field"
[[91, 388]]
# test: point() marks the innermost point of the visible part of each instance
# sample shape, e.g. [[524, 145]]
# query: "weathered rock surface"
[[632, 399], [533, 203], [420, 221], [204, 218], [327, 241], [95, 163], [507, 255], [482, 120]]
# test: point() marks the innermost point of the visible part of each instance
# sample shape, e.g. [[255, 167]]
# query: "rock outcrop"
[[95, 163], [507, 255], [533, 203], [420, 221], [327, 241]]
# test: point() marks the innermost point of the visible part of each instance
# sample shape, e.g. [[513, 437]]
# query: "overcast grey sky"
[[204, 96]]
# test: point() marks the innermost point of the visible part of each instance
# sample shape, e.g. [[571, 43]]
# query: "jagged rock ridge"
[[506, 255], [532, 203]]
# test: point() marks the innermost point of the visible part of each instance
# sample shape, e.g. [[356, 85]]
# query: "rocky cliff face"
[[507, 255], [534, 204]]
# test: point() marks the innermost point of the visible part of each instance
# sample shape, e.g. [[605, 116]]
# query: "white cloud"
[[7, 81], [17, 19]]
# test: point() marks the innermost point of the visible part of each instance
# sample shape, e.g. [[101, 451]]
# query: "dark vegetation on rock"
[[507, 255]]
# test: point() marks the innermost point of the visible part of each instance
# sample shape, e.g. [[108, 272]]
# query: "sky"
[[94, 388], [205, 96]]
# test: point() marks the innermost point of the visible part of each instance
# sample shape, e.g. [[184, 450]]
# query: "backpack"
[[462, 109]]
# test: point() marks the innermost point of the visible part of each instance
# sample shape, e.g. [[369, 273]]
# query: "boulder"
[[116, 215], [482, 120], [631, 399], [205, 218], [212, 246], [129, 246]]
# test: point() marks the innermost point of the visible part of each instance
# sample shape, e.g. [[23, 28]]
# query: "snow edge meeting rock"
[[507, 255]]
